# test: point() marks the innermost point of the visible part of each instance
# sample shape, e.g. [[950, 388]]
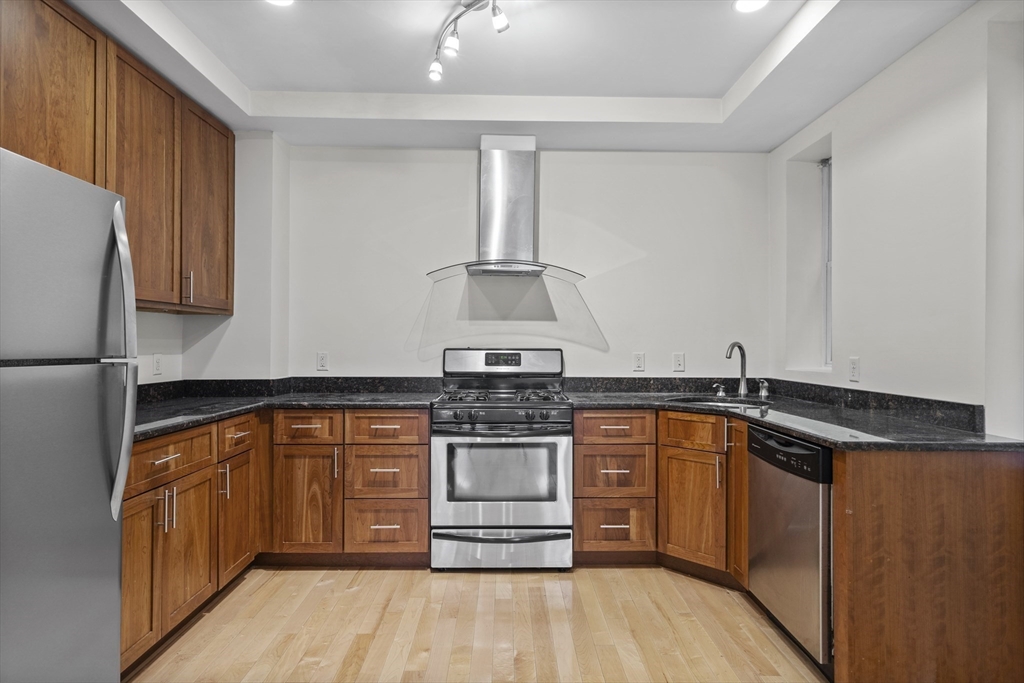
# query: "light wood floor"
[[630, 624]]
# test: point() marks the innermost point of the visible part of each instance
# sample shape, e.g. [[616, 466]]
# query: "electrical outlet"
[[678, 362], [158, 364], [321, 361], [638, 361], [854, 368]]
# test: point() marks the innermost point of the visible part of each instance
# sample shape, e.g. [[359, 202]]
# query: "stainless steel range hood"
[[508, 213]]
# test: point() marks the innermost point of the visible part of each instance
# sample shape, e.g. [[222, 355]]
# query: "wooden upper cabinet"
[[691, 505], [53, 90], [692, 430], [144, 166], [613, 426], [207, 210], [308, 501]]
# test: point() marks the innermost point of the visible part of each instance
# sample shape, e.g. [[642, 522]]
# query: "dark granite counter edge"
[[212, 413]]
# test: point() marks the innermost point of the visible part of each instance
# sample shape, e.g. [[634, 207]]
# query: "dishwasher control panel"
[[803, 459]]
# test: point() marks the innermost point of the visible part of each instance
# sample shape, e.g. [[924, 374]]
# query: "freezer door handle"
[[127, 437]]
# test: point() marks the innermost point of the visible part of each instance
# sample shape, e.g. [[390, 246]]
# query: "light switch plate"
[[678, 362], [158, 364]]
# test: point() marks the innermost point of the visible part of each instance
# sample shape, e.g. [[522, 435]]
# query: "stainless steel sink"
[[720, 403]]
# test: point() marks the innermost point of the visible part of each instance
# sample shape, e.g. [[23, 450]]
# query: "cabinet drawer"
[[692, 430], [308, 426], [625, 471], [236, 435], [163, 459], [386, 471], [613, 426], [386, 426], [614, 524], [386, 526]]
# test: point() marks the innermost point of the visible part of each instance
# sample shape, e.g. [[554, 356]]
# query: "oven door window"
[[513, 472]]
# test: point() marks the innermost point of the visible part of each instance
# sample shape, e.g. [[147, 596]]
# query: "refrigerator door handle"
[[127, 437], [124, 257]]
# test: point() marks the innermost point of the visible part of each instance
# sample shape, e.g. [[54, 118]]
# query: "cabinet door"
[[143, 165], [692, 430], [190, 546], [737, 492], [53, 92], [626, 471], [142, 533], [307, 499], [235, 515], [691, 505], [207, 210]]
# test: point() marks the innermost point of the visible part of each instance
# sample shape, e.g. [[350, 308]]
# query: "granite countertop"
[[840, 428]]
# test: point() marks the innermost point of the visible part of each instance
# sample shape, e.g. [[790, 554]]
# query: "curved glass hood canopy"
[[507, 230]]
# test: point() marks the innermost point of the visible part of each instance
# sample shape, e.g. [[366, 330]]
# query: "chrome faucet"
[[743, 367]]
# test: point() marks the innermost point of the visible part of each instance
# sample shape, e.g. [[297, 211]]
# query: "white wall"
[[909, 206], [1004, 341], [672, 246], [160, 333]]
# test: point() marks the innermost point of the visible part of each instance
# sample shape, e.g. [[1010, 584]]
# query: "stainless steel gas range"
[[501, 461]]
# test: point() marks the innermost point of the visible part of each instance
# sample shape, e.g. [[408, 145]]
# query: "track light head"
[[434, 73], [451, 42], [498, 18]]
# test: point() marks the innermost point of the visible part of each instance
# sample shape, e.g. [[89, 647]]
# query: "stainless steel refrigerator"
[[68, 377]]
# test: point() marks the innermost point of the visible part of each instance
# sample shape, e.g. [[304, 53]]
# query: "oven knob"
[[544, 414], [474, 414], [457, 414], [529, 414]]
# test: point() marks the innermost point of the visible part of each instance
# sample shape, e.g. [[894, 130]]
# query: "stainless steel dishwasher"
[[791, 536]]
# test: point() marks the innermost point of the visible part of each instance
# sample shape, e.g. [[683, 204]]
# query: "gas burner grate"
[[530, 396], [463, 395]]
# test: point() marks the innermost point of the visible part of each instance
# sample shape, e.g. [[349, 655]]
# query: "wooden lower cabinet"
[[142, 534], [736, 493], [236, 517], [614, 524], [308, 502], [190, 546], [386, 526], [619, 471], [387, 471], [691, 505], [694, 431]]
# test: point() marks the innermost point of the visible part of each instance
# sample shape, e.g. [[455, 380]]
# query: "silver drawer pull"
[[614, 426], [306, 426], [169, 457], [385, 426], [385, 526], [614, 471], [614, 526], [239, 435], [385, 469]]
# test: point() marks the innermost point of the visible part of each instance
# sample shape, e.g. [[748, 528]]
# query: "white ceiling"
[[689, 75]]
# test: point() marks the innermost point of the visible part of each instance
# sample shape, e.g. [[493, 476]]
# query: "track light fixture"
[[449, 40]]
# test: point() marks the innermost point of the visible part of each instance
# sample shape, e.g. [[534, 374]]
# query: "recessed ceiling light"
[[281, 3], [748, 5]]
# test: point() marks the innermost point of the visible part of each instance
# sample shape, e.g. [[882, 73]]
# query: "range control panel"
[[503, 359], [803, 459]]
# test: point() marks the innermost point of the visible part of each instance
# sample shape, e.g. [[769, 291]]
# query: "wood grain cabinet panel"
[[144, 165], [53, 89], [236, 516], [408, 427], [736, 492], [692, 430], [190, 547], [613, 426], [308, 502], [626, 471], [142, 533], [207, 211], [309, 427], [691, 505], [156, 462], [610, 524], [236, 435], [386, 526], [387, 471]]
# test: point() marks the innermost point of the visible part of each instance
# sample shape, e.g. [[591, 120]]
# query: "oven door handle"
[[555, 431], [538, 538]]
